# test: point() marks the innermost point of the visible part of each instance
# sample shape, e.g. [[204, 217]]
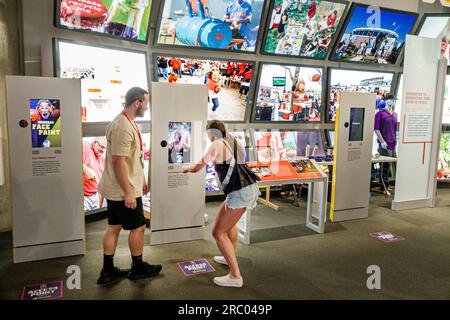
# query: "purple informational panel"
[[43, 291], [386, 236], [195, 267]]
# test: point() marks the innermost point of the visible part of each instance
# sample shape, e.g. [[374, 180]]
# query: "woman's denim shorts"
[[243, 198]]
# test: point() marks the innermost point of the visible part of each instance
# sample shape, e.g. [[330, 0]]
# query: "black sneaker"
[[145, 270], [111, 276]]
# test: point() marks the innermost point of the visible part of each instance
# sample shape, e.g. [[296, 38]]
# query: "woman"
[[282, 25], [238, 183]]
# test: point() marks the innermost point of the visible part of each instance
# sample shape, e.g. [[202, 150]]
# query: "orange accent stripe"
[[423, 154]]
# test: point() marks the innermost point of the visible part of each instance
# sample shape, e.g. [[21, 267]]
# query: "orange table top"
[[283, 171]]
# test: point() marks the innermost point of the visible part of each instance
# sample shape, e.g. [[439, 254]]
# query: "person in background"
[[176, 66], [123, 184], [239, 15], [239, 184], [93, 166], [214, 87], [163, 67], [281, 26]]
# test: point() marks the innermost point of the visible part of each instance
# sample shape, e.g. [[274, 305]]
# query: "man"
[[123, 185], [93, 166], [239, 15], [176, 66]]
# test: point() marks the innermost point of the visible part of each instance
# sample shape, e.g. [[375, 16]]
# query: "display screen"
[[370, 37], [125, 19], [297, 101], [331, 136], [45, 123], [210, 178], [106, 75], [432, 27], [228, 83], [444, 158], [303, 28], [357, 81], [310, 143], [225, 24], [288, 145], [179, 142], [356, 132], [94, 158], [279, 81]]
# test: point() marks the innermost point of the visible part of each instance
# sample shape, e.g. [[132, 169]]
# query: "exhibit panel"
[[177, 141], [352, 156], [420, 125], [432, 25], [289, 93], [445, 107], [229, 82], [46, 169], [106, 73]]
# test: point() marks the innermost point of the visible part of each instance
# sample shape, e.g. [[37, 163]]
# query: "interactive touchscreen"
[[45, 123], [179, 142], [298, 100], [303, 28], [374, 37], [106, 74], [126, 19], [356, 132], [226, 25], [357, 81], [228, 82]]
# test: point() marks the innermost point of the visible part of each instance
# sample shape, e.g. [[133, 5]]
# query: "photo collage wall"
[[239, 89]]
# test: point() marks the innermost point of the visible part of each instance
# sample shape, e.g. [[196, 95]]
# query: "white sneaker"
[[221, 260], [226, 281]]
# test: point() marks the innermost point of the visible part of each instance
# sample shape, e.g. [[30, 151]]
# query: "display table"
[[380, 159], [286, 173]]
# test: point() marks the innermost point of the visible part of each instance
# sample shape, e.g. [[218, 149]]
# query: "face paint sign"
[[45, 123], [195, 267], [44, 291]]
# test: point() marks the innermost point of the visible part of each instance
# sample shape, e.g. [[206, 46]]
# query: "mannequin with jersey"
[[386, 131]]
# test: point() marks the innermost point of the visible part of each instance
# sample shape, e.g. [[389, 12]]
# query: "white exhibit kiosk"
[[44, 129], [352, 156], [425, 70], [177, 140]]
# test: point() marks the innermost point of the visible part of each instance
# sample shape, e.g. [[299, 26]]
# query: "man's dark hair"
[[134, 94]]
